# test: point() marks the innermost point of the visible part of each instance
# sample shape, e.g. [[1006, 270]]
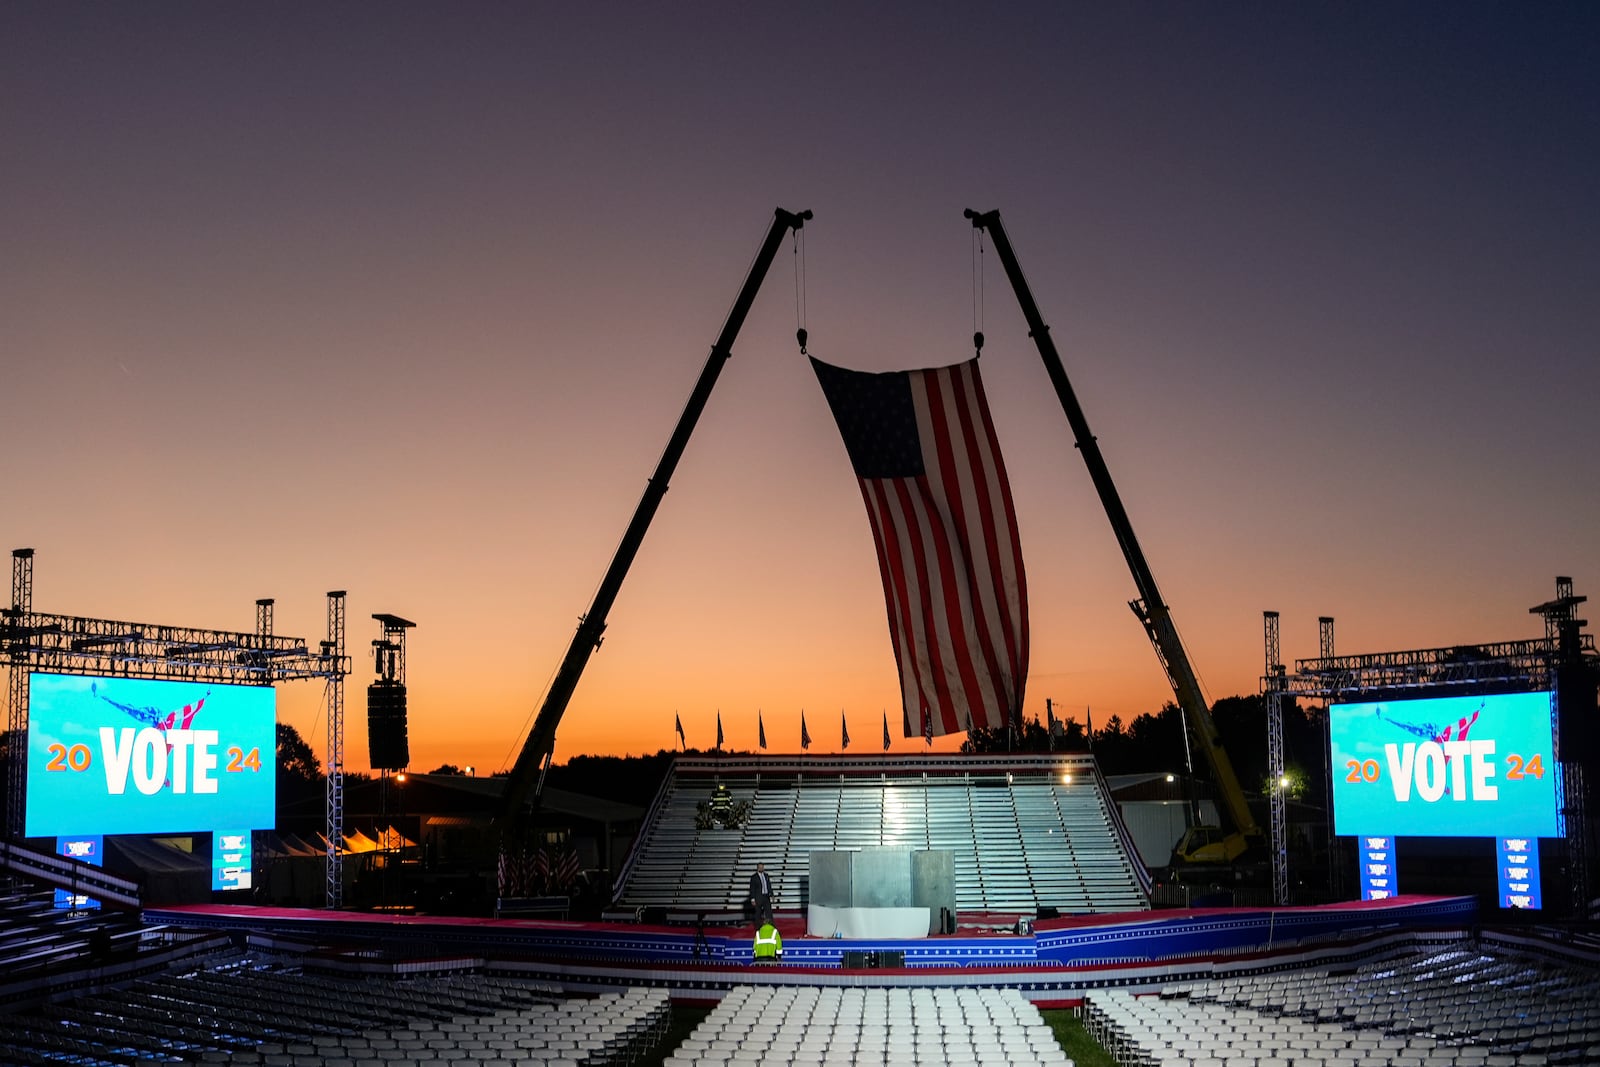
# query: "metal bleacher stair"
[[1025, 831]]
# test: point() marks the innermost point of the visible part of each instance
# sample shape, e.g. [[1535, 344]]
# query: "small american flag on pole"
[[928, 463]]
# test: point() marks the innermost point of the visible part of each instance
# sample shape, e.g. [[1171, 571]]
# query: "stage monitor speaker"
[[873, 959], [387, 746]]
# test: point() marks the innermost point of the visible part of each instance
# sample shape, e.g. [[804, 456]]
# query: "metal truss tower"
[[17, 691], [1277, 786], [1335, 868], [68, 644], [334, 645], [1510, 666], [390, 652], [1561, 634]]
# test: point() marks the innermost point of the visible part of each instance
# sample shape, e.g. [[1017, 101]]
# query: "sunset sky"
[[405, 300]]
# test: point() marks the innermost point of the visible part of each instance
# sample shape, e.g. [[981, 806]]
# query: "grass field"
[[1084, 1050]]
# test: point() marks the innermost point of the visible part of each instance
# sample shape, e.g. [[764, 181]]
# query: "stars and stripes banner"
[[928, 462], [805, 737]]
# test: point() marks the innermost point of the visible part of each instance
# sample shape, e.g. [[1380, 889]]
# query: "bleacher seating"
[[36, 936], [811, 1026], [1435, 1008], [1025, 832], [242, 1013]]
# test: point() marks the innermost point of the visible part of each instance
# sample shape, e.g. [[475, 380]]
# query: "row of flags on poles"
[[1055, 727], [805, 734]]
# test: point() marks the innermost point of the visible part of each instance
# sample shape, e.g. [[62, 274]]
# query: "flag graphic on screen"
[[928, 462]]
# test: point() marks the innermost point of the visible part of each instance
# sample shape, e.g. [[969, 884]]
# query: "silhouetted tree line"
[[1155, 743], [625, 779]]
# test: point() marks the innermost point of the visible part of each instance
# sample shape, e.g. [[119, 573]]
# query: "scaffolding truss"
[[1277, 783], [1507, 666], [36, 642], [1518, 664]]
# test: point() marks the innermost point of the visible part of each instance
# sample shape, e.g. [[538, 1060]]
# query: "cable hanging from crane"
[[800, 335], [977, 290]]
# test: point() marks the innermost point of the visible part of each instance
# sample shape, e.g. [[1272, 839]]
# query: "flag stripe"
[[911, 525], [1014, 585], [945, 609], [956, 485], [995, 635], [896, 597], [909, 583]]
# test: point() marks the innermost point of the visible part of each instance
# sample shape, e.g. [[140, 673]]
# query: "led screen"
[[1518, 858], [230, 860], [1449, 767], [1377, 868], [86, 848], [138, 756]]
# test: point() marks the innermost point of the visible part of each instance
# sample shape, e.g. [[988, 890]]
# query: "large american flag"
[[925, 453]]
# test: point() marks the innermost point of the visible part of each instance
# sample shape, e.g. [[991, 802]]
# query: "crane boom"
[[1152, 611], [541, 739]]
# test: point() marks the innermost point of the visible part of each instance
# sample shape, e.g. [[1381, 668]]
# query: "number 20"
[[1362, 771], [62, 757]]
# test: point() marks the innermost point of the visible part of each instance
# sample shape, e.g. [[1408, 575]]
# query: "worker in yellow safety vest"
[[769, 944]]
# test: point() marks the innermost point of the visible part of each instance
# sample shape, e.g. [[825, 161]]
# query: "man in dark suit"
[[761, 895]]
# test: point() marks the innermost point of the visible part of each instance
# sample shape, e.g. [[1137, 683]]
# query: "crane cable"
[[799, 238], [977, 291]]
